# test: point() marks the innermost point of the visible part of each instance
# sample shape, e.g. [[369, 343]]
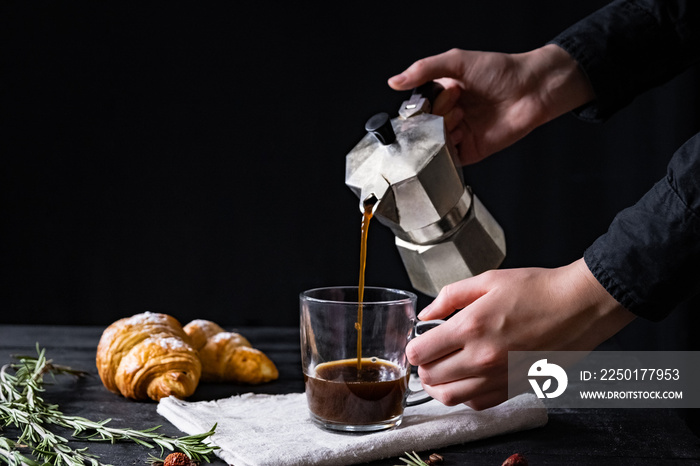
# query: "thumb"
[[444, 65]]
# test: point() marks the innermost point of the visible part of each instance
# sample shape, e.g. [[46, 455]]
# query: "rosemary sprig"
[[155, 461], [9, 455], [413, 460], [22, 406]]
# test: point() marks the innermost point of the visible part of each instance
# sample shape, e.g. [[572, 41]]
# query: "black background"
[[189, 158]]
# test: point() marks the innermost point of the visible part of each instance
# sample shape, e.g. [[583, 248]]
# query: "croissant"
[[228, 356], [148, 356]]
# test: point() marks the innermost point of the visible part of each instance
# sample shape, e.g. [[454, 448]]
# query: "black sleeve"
[[649, 260], [630, 46]]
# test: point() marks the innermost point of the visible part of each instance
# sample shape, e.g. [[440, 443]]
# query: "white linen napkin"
[[258, 430]]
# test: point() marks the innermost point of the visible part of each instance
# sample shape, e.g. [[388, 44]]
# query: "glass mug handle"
[[423, 397]]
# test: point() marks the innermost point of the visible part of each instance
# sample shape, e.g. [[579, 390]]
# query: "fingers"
[[454, 393], [444, 65], [447, 99], [455, 296], [463, 363], [453, 118], [447, 105], [478, 393], [448, 337], [446, 369], [457, 136], [488, 400], [478, 387], [431, 346]]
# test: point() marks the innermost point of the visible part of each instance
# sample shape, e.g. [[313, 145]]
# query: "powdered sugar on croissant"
[[148, 356], [228, 356], [200, 331]]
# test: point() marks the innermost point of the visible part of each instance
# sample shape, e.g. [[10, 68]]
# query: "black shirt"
[[649, 260]]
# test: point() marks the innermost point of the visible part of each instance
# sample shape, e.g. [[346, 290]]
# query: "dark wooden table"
[[571, 437]]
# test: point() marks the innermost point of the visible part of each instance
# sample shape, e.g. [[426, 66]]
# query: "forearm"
[[593, 314]]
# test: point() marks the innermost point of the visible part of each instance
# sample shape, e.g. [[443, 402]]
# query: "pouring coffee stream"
[[366, 217]]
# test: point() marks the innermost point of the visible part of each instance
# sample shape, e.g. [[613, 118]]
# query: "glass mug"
[[341, 397]]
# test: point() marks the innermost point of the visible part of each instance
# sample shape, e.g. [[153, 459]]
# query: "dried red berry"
[[515, 460], [178, 459]]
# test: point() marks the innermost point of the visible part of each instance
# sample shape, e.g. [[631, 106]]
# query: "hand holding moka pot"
[[407, 168]]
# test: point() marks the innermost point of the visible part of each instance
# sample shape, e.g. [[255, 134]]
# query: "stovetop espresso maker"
[[407, 169]]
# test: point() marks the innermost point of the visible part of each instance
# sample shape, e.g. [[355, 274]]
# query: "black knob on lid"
[[380, 126]]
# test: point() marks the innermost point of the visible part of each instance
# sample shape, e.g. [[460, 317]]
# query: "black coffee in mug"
[[347, 393], [339, 392]]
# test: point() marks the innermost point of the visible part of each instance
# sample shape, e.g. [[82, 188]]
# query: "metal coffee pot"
[[406, 168]]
